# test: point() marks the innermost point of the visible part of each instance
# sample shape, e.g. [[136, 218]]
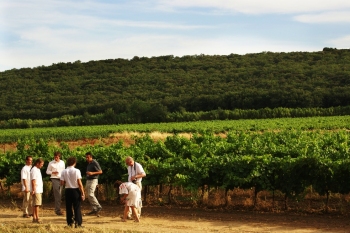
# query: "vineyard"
[[281, 157]]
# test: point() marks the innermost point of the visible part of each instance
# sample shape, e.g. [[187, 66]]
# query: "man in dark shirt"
[[92, 171]]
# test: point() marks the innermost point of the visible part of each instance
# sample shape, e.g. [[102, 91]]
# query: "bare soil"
[[192, 220]]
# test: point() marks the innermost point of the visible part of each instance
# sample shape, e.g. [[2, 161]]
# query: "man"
[[93, 170], [74, 191], [54, 169], [25, 179], [136, 173], [36, 188]]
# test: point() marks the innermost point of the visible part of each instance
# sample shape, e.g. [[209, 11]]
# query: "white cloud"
[[141, 45], [42, 32], [342, 42], [326, 17], [259, 6]]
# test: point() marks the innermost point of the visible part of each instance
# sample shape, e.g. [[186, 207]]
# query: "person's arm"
[[81, 188], [49, 169], [140, 172], [26, 188], [97, 168], [33, 186]]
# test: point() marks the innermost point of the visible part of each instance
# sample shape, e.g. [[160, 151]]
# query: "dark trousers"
[[73, 202]]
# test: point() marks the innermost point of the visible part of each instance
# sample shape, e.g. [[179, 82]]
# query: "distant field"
[[105, 131]]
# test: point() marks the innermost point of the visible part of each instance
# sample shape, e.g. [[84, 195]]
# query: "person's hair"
[[129, 158], [71, 161], [57, 153], [117, 183], [88, 154], [38, 161], [29, 156]]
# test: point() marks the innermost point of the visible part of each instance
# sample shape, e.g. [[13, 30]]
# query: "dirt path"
[[175, 219]]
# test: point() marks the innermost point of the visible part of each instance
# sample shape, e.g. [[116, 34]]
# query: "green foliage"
[[236, 126], [285, 160], [170, 88]]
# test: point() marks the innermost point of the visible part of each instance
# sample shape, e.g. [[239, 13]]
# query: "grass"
[[48, 228]]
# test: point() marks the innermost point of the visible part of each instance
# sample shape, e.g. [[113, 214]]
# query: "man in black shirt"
[[93, 170]]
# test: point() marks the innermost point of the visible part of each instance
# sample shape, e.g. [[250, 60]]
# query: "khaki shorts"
[[37, 199]]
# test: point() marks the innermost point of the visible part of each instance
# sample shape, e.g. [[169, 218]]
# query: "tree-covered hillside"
[[169, 84]]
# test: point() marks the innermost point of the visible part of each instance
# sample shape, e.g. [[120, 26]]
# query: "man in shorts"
[[36, 188]]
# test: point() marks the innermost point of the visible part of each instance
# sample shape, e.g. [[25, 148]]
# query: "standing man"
[[55, 167], [25, 179], [37, 188], [92, 171], [136, 173], [74, 191]]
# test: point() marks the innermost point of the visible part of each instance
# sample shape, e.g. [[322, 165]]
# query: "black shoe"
[[69, 226], [59, 213]]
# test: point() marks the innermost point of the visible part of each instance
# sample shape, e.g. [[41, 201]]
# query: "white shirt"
[[25, 175], [137, 169], [55, 166], [35, 174], [70, 175]]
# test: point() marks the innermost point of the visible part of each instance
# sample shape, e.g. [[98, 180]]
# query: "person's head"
[[71, 161], [29, 160], [129, 161], [88, 157], [117, 184], [39, 163], [57, 156]]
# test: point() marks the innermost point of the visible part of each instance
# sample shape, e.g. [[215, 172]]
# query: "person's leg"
[[57, 194], [35, 208], [126, 210], [135, 213], [35, 213], [77, 207], [26, 204], [90, 190], [69, 203], [139, 209]]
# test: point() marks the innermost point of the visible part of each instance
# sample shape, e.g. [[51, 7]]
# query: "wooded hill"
[[168, 84]]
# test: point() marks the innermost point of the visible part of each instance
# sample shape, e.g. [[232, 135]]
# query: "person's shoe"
[[59, 213], [92, 212], [26, 216], [98, 209]]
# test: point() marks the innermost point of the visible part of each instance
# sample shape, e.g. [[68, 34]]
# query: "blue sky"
[[41, 32]]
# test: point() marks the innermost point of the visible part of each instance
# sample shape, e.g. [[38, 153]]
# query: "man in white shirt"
[[25, 179], [36, 188], [54, 169], [74, 191], [135, 175]]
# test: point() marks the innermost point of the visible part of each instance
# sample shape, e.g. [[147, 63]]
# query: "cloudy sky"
[[41, 32]]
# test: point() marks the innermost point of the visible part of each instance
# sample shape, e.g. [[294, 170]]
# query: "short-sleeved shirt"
[[25, 175], [35, 174], [70, 175], [135, 170], [134, 194], [94, 166]]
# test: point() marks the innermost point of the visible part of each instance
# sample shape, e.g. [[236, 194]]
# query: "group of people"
[[70, 177]]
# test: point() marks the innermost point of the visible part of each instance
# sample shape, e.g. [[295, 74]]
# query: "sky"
[[37, 33]]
